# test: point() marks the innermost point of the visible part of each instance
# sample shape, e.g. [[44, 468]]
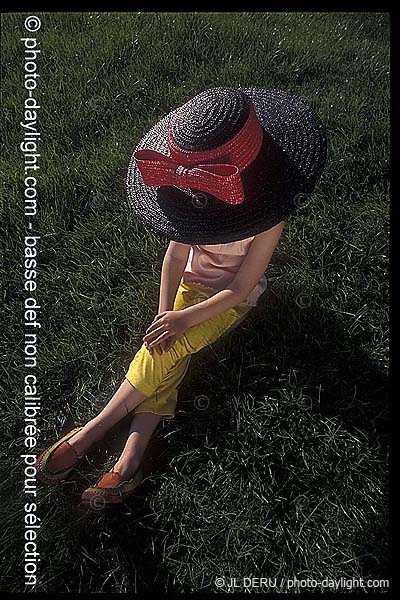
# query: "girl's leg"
[[154, 373], [162, 374], [141, 429], [144, 421], [125, 399], [157, 375]]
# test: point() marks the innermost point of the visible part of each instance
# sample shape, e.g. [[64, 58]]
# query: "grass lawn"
[[281, 470]]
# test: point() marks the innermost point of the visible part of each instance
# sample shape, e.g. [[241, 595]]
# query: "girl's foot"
[[127, 474], [122, 481], [112, 489], [88, 435], [65, 457], [56, 462], [117, 485], [70, 452], [127, 465]]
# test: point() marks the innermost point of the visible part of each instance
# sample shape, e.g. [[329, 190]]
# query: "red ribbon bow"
[[221, 180], [201, 170]]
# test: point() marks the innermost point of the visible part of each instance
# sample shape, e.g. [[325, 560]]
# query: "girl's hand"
[[169, 342], [165, 345], [160, 347], [166, 324]]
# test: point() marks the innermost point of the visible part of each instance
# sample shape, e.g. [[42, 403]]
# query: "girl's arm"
[[172, 323], [247, 277], [174, 263]]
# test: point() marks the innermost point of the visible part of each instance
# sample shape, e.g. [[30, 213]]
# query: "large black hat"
[[228, 164]]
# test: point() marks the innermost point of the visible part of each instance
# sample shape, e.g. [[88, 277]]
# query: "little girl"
[[218, 144]]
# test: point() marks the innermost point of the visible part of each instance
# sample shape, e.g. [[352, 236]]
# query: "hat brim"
[[279, 181]]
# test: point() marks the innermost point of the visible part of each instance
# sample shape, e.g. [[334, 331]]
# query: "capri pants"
[[158, 377]]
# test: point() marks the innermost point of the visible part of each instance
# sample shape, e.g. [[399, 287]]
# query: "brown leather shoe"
[[112, 489], [59, 453]]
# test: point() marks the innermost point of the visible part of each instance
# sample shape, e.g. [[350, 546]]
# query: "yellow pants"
[[158, 377]]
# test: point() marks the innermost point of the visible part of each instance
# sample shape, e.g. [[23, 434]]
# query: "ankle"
[[83, 439], [126, 468], [94, 430], [128, 463]]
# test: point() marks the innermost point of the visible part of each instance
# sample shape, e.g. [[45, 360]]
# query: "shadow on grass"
[[288, 337]]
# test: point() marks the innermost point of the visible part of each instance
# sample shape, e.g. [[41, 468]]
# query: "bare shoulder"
[[274, 231], [268, 239], [264, 244], [178, 250], [257, 259]]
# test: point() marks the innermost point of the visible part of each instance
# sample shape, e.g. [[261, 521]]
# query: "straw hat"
[[228, 164]]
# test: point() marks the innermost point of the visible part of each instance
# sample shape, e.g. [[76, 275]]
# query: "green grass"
[[285, 472]]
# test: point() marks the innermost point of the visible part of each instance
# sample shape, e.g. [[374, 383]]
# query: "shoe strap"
[[77, 456]]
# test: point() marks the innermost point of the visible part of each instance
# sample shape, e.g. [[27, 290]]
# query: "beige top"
[[215, 265]]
